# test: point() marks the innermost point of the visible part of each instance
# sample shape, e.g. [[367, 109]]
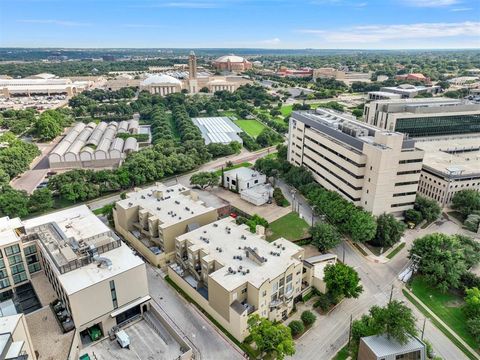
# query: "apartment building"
[[15, 341], [424, 117], [451, 164], [373, 168], [150, 219], [18, 261], [233, 273], [99, 282]]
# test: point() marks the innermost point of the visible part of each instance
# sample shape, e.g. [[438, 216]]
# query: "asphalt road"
[[208, 343], [330, 333]]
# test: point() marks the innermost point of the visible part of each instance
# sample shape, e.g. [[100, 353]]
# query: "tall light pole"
[[313, 214]]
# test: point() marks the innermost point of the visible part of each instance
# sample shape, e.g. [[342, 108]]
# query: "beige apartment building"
[[451, 164], [18, 260], [376, 169], [233, 273], [15, 340], [100, 283], [150, 219]]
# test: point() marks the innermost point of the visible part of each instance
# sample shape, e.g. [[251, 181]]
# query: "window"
[[15, 269], [14, 249], [289, 278], [114, 294], [14, 259], [4, 283], [275, 287], [264, 293], [33, 268], [244, 291], [21, 277], [32, 249]]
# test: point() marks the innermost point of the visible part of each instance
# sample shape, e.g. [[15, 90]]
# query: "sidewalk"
[[433, 315]]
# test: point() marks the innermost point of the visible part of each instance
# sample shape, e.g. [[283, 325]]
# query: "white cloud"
[[431, 3], [54, 22], [461, 9], [273, 41], [385, 33]]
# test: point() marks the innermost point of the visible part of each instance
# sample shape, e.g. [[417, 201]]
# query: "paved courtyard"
[[47, 337], [270, 212], [145, 344]]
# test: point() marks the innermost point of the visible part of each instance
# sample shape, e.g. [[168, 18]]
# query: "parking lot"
[[145, 343]]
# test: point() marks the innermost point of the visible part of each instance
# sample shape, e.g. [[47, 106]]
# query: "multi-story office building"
[[233, 273], [100, 283], [150, 219], [450, 165], [15, 341], [371, 167], [424, 117]]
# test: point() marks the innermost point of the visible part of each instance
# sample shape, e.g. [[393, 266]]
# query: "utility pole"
[[343, 246], [350, 331], [391, 294], [423, 329]]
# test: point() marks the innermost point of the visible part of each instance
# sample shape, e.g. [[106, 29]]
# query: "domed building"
[[232, 63], [161, 84]]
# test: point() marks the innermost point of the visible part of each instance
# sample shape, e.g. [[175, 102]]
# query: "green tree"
[[205, 179], [473, 326], [472, 303], [41, 199], [389, 231], [47, 127], [429, 209], [442, 259], [308, 318], [362, 226], [412, 215], [13, 203], [273, 340], [4, 178], [296, 327], [342, 281], [324, 236], [394, 321], [466, 201]]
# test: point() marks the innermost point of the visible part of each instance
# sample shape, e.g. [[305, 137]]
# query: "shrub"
[[324, 302], [297, 327], [279, 198], [308, 318]]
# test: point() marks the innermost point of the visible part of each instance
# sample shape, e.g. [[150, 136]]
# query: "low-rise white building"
[[250, 184]]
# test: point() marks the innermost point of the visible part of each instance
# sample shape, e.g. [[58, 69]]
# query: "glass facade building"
[[439, 125]]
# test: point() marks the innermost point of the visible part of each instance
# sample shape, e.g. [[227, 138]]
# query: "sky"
[[278, 24]]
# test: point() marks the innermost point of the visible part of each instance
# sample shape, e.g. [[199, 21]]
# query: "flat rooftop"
[[72, 238], [169, 204], [345, 128], [452, 156], [243, 173], [8, 232], [382, 346], [224, 239], [145, 343]]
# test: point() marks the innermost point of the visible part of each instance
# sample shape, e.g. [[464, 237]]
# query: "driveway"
[[203, 336]]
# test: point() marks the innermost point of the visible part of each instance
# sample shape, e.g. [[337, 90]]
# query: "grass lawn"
[[251, 127], [343, 354], [236, 166], [286, 110], [396, 250], [447, 307], [290, 226]]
